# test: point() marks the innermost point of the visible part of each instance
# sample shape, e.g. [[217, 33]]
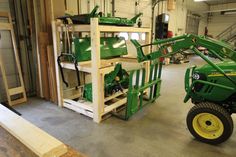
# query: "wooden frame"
[[17, 90], [97, 67]]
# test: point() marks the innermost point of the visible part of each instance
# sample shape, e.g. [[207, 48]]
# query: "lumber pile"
[[48, 10]]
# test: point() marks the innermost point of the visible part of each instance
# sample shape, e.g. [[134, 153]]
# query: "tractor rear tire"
[[210, 123]]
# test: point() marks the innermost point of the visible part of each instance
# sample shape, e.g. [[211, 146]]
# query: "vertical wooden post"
[[3, 72], [147, 51], [102, 97], [39, 79], [96, 81], [56, 48]]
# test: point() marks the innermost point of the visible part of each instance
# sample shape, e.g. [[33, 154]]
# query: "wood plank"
[[18, 101], [116, 95], [104, 28], [85, 68], [57, 8], [5, 26], [52, 74], [115, 105], [77, 28], [147, 50], [43, 42], [85, 108], [17, 90], [56, 49], [38, 141], [96, 64], [4, 14], [4, 77], [11, 147]]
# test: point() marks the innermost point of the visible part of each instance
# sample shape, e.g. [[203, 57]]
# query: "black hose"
[[75, 64], [61, 70]]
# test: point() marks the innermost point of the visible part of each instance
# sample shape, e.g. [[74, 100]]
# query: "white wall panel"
[[72, 7], [179, 15], [217, 22]]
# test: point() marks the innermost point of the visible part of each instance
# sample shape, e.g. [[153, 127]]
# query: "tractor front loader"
[[211, 87]]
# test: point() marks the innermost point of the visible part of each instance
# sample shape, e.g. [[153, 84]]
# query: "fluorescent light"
[[199, 0]]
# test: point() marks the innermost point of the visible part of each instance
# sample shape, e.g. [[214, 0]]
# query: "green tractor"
[[211, 87]]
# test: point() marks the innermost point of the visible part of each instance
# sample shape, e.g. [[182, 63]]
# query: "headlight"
[[196, 76]]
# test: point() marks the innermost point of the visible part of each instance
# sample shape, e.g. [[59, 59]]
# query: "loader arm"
[[168, 47]]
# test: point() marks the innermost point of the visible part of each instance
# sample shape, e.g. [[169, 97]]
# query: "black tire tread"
[[217, 108]]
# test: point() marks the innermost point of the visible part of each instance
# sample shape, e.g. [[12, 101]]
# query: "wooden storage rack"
[[97, 67]]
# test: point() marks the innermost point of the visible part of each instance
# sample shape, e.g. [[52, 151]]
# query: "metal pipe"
[[113, 7], [153, 12]]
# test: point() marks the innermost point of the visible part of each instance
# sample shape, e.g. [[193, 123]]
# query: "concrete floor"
[[158, 130]]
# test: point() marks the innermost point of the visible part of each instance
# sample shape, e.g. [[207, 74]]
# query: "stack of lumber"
[[49, 11]]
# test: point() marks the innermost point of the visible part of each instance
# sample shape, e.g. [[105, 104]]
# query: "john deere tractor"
[[211, 87]]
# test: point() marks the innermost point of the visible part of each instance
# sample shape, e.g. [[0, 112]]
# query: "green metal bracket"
[[138, 89]]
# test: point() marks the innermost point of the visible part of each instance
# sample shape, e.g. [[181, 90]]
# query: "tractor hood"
[[228, 66]]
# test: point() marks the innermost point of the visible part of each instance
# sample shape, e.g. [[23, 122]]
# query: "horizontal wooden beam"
[[38, 141], [104, 28], [18, 101], [115, 105], [4, 14], [17, 90], [5, 26]]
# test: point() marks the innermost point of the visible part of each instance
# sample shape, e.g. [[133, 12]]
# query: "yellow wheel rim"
[[208, 126]]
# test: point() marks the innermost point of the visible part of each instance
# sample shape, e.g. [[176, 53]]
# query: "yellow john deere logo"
[[219, 74]]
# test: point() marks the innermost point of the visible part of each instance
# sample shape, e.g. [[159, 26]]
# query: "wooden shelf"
[[85, 108], [105, 63], [114, 105], [97, 67], [103, 28], [84, 68]]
